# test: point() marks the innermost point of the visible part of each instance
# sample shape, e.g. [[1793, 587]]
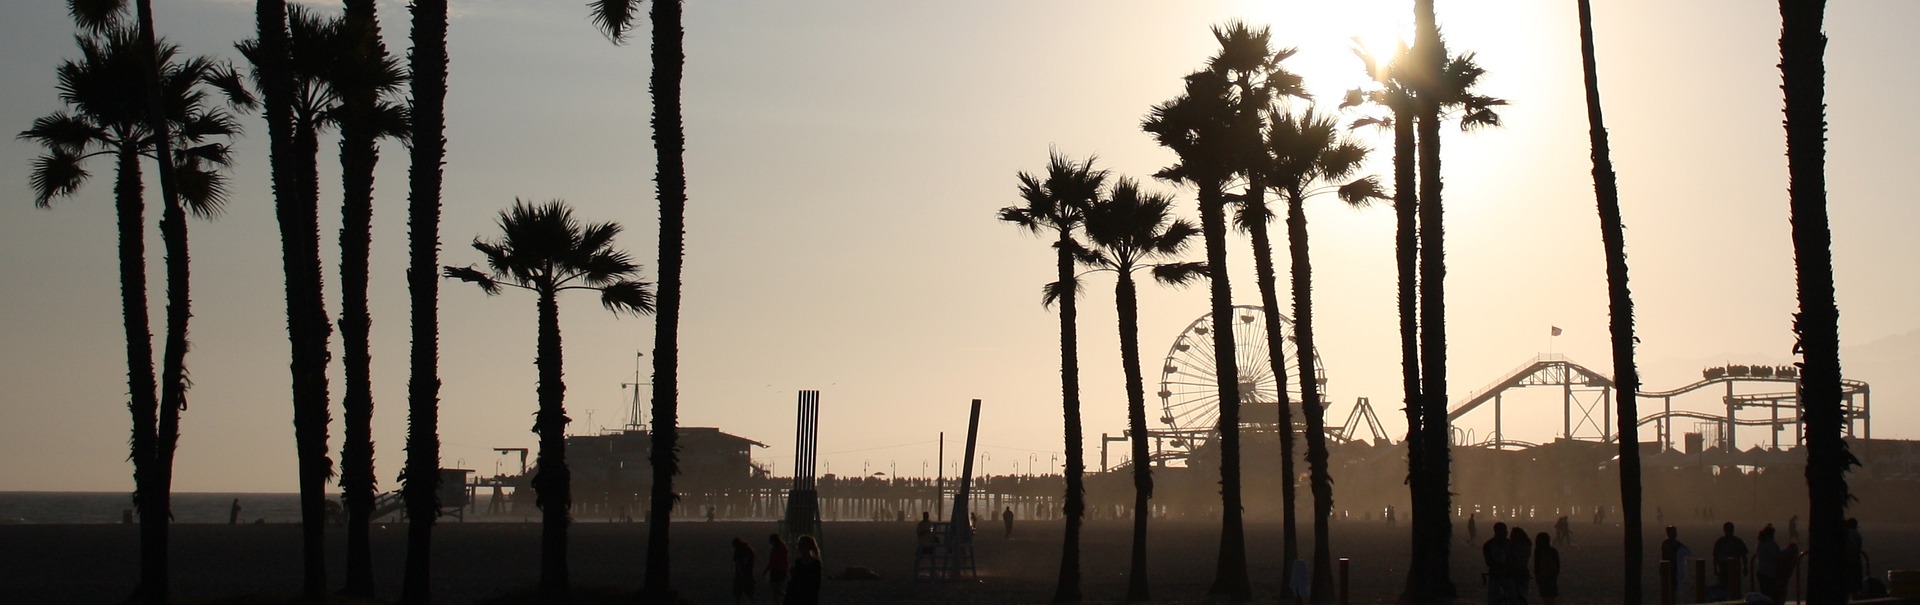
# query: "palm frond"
[[628, 296], [203, 189], [474, 276], [228, 81], [57, 174], [1180, 274], [1178, 234], [63, 131], [1362, 192], [97, 15], [614, 18], [1052, 291], [1084, 255]]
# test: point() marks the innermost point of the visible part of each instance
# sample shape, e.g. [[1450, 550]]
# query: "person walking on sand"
[[1562, 532], [776, 569], [1473, 528], [1546, 568], [1519, 557], [805, 589], [742, 572], [233, 513], [1495, 553], [1729, 555], [1675, 553], [1007, 518], [1768, 562], [923, 532]]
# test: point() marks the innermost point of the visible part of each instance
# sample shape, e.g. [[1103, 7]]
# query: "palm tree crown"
[[543, 248]]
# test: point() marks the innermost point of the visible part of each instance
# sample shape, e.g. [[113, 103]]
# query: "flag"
[[1556, 330]]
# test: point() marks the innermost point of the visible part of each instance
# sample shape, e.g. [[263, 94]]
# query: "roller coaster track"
[[1520, 376]]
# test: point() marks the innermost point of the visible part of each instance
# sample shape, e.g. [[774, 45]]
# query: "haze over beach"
[[845, 162]]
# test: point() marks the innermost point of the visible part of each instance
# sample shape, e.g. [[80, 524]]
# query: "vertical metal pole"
[[1606, 415], [940, 471], [1344, 563], [1729, 445], [961, 495], [1496, 419], [1666, 426], [1566, 403]]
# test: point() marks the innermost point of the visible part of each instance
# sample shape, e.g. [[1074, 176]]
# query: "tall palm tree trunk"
[[1126, 301], [143, 402], [1803, 81], [1626, 377], [1436, 502], [1067, 589], [670, 179], [299, 242], [358, 157], [1322, 481], [1406, 246], [155, 502], [1230, 579], [552, 485], [1276, 359], [428, 115]]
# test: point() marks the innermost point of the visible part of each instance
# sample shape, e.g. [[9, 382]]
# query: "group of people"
[[793, 583], [1516, 563], [1771, 564]]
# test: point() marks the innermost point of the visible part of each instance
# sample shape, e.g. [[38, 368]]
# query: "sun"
[[1327, 34]]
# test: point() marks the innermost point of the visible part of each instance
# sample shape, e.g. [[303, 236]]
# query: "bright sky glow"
[[845, 159]]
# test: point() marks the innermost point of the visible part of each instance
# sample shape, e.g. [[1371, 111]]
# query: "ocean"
[[108, 507]]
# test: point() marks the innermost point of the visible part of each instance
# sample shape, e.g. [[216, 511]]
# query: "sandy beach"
[[478, 562]]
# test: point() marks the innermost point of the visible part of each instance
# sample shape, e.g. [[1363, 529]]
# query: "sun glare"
[[1327, 33]]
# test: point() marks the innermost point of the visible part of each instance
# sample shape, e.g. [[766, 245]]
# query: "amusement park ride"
[[1751, 396]]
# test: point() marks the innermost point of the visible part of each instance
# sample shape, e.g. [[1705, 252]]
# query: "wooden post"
[[1344, 569], [1666, 582], [1699, 580]]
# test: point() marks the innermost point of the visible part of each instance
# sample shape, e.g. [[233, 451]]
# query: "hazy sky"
[[844, 162]]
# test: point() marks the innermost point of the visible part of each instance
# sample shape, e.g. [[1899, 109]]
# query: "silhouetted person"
[[1793, 529], [1391, 519], [710, 513], [742, 572], [1768, 563], [1546, 568], [1729, 555], [923, 532], [1519, 556], [1006, 517], [1562, 532], [1675, 553], [1495, 552], [776, 569], [1856, 576], [233, 513], [1473, 528], [805, 589]]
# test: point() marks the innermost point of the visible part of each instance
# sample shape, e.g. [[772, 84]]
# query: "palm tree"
[[1247, 57], [1309, 157], [1626, 376], [1204, 129], [1392, 92], [615, 18], [1803, 83], [543, 249], [111, 117], [287, 55], [1127, 229], [428, 118], [1441, 84], [365, 77], [1058, 202]]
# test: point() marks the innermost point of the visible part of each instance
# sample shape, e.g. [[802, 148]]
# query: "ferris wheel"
[[1190, 388]]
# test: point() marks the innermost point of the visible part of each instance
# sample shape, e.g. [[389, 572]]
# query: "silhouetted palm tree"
[[543, 249], [1128, 229], [1057, 202], [365, 77], [1803, 82], [1309, 157], [292, 98], [427, 114], [615, 18], [1390, 91], [1440, 84], [1247, 58], [1626, 376], [1204, 128], [105, 89]]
